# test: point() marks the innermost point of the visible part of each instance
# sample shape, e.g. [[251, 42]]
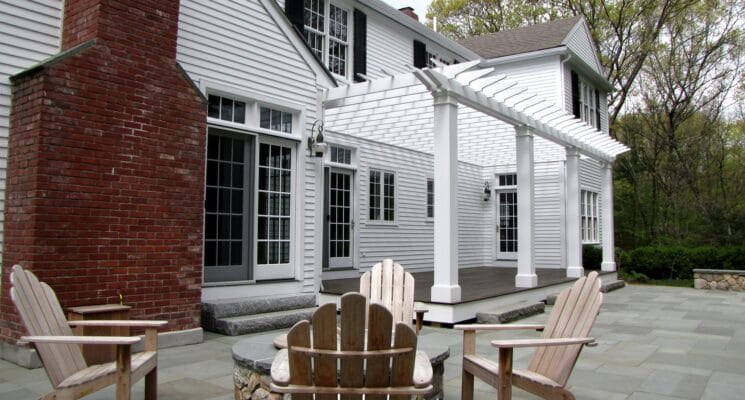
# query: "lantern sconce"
[[316, 146], [487, 191]]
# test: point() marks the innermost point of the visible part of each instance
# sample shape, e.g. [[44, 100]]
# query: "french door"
[[339, 227], [507, 225]]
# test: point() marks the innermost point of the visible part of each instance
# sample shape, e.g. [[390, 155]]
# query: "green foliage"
[[592, 256], [677, 262]]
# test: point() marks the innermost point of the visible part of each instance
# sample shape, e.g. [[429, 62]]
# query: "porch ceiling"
[[398, 109]]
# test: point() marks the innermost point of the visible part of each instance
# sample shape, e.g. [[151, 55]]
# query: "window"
[[227, 109], [382, 195], [589, 212], [275, 120], [328, 38], [430, 198], [273, 218], [507, 180], [588, 107], [340, 155]]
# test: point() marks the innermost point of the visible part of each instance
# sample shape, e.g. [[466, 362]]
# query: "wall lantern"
[[316, 146], [487, 191]]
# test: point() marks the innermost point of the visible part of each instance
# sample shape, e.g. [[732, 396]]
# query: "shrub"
[[676, 262]]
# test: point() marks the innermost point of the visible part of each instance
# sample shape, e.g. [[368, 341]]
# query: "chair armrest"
[[422, 370], [540, 342], [128, 340], [280, 370], [498, 327], [118, 323]]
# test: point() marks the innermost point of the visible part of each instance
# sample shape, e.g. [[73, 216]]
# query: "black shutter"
[[295, 10], [420, 54], [597, 109], [360, 45], [575, 95]]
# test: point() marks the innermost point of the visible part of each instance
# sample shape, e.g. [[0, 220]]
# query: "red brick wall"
[[106, 170]]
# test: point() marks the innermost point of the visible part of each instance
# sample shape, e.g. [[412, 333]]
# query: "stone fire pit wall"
[[719, 279]]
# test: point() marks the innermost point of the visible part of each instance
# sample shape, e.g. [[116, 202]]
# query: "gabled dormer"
[[557, 60]]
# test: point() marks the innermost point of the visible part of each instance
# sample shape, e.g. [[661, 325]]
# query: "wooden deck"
[[482, 289]]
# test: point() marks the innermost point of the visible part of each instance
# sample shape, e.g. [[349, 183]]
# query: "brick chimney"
[[410, 12], [105, 181]]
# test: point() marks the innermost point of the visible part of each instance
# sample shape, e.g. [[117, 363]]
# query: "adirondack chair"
[[51, 335], [564, 335], [389, 284], [369, 364]]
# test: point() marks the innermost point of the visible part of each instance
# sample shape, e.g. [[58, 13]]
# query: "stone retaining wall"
[[718, 279]]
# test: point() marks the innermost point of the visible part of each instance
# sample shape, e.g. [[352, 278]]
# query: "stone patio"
[[654, 343]]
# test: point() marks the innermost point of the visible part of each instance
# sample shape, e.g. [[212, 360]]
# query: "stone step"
[[612, 285], [551, 299], [226, 308], [241, 325], [509, 313]]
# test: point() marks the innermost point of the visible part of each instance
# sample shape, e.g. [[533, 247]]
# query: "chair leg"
[[466, 387], [151, 385]]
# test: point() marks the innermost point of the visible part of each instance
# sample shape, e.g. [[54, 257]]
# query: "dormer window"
[[327, 32], [585, 101]]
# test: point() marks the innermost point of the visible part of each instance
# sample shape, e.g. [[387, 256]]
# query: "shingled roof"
[[521, 40]]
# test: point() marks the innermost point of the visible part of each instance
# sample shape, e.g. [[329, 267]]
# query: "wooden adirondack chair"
[[564, 335], [389, 284], [308, 366], [59, 350]]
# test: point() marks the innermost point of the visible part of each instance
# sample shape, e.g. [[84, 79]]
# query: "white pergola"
[[464, 112]]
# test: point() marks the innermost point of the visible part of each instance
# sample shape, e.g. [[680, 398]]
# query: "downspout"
[[564, 60]]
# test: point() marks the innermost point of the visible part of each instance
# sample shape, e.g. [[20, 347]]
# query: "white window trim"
[[396, 184], [590, 235], [327, 39]]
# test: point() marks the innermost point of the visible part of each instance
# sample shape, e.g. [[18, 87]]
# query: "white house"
[[418, 129]]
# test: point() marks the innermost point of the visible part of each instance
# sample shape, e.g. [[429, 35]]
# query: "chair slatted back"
[[387, 283], [573, 315], [361, 363], [42, 315]]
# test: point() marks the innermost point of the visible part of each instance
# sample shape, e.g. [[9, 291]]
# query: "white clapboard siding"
[[29, 33], [541, 76], [237, 44], [549, 215], [580, 43], [410, 240]]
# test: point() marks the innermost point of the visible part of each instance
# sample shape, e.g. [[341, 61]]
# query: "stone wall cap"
[[720, 271]]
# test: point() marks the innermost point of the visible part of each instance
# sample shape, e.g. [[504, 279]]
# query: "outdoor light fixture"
[[316, 146], [487, 191]]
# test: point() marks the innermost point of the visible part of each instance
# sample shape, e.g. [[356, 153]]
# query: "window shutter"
[[575, 95], [295, 10], [597, 109], [360, 45], [420, 54]]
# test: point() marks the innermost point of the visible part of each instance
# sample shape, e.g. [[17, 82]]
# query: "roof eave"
[[399, 17]]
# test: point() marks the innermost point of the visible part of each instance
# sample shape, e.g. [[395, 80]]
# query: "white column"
[[526, 276], [573, 234], [608, 230], [446, 288]]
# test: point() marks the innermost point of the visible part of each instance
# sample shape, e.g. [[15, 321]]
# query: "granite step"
[[241, 325], [509, 313], [226, 308], [612, 285]]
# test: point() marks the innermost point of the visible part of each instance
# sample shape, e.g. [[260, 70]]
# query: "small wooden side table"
[[99, 354]]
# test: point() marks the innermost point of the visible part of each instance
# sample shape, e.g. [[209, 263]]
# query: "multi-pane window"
[[507, 180], [275, 120], [273, 218], [227, 109], [224, 202], [382, 195], [430, 198], [327, 34], [588, 105], [340, 155], [589, 216]]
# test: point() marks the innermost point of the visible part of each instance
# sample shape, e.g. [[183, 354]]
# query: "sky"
[[419, 6]]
